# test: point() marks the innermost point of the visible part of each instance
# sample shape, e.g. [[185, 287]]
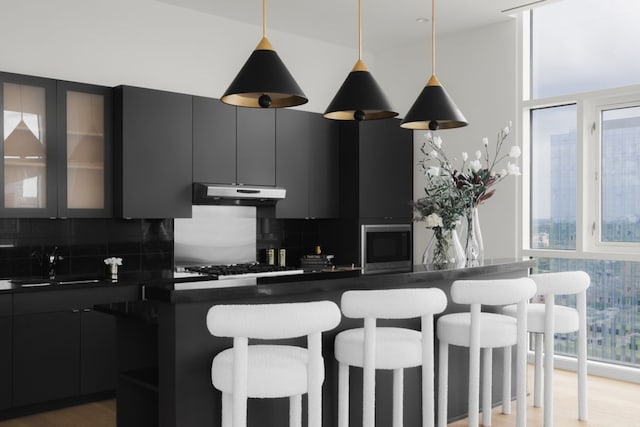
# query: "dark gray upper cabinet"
[[376, 167], [306, 165], [85, 150], [153, 147], [256, 146], [233, 145], [214, 141], [28, 171]]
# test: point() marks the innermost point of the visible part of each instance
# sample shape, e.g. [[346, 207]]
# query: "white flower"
[[514, 152], [513, 169], [113, 261], [478, 154], [427, 135], [485, 141], [433, 220], [475, 165], [465, 156], [507, 129], [437, 141], [503, 172], [433, 171], [433, 154]]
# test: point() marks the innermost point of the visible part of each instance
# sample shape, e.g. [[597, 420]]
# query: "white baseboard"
[[601, 369]]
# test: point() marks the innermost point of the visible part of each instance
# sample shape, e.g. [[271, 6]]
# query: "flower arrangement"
[[451, 193], [113, 261]]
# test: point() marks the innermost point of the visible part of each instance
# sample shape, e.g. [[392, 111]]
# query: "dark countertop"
[[328, 281]]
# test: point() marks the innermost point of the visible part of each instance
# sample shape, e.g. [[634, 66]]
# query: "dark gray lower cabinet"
[[5, 351], [46, 357], [62, 348]]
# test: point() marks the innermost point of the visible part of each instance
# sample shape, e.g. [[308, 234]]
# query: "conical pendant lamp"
[[359, 97], [433, 109], [264, 81]]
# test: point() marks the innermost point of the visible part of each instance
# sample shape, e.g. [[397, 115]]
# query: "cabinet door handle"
[[75, 310], [86, 310]]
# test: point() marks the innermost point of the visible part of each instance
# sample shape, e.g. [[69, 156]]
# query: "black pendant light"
[[433, 109], [359, 97], [264, 81]]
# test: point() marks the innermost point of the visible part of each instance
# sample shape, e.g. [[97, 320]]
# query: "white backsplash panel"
[[216, 235]]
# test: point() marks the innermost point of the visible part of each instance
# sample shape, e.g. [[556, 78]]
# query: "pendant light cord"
[[359, 29], [433, 37], [264, 18]]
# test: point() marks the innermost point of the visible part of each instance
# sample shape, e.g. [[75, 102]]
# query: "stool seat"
[[497, 330], [395, 347], [565, 320], [273, 371]]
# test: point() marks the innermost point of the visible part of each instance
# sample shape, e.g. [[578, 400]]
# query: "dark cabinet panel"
[[46, 357], [323, 168], [292, 162], [307, 165], [5, 362], [256, 146], [376, 169], [153, 153], [214, 141], [97, 352]]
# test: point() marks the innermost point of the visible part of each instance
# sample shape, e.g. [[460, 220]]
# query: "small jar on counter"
[[282, 257]]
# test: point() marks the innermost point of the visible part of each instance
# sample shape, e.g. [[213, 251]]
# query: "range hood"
[[241, 195]]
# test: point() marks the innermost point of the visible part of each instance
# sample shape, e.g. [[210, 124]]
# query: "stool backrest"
[[492, 292], [393, 303], [561, 283], [273, 321]]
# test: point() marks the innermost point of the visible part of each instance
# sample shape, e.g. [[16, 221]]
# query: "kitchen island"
[[165, 349]]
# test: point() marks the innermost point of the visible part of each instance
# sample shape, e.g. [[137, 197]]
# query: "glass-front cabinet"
[[84, 137], [28, 146], [56, 147]]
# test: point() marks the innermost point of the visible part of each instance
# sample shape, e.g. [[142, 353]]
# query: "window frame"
[[588, 108]]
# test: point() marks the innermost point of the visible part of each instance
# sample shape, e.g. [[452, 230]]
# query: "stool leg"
[[549, 350], [398, 397], [582, 355], [537, 373], [343, 395], [474, 366], [506, 380], [369, 374], [487, 379], [227, 402], [295, 411], [443, 382]]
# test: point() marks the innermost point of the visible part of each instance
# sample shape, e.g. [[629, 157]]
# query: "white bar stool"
[[271, 371], [392, 348], [546, 319], [479, 330]]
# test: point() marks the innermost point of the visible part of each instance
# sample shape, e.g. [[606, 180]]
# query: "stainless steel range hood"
[[241, 195]]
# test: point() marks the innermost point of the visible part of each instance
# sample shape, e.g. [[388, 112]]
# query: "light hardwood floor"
[[611, 403]]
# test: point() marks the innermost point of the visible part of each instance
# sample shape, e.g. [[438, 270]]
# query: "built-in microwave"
[[385, 248]]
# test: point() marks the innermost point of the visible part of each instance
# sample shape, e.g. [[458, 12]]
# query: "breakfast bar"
[[165, 350]]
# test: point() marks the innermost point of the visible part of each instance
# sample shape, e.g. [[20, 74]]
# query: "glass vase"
[[444, 251], [473, 244]]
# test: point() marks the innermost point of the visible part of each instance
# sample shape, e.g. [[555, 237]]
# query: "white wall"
[[156, 45], [478, 69]]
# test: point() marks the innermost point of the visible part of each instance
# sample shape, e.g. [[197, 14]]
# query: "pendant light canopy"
[[264, 81], [433, 109], [359, 97]]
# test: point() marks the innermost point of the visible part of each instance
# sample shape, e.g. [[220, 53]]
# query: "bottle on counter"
[[271, 256], [282, 257]]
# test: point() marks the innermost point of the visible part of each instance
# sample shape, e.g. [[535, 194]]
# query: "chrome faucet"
[[52, 259]]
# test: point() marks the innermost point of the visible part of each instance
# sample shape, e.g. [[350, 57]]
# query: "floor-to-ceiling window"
[[581, 132]]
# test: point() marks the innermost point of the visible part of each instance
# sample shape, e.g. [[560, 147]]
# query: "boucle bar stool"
[[480, 330], [546, 319], [271, 371], [391, 348]]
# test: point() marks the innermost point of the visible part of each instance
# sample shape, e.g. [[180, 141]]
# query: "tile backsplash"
[[143, 244]]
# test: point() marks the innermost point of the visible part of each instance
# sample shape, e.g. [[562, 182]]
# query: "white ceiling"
[[385, 23]]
